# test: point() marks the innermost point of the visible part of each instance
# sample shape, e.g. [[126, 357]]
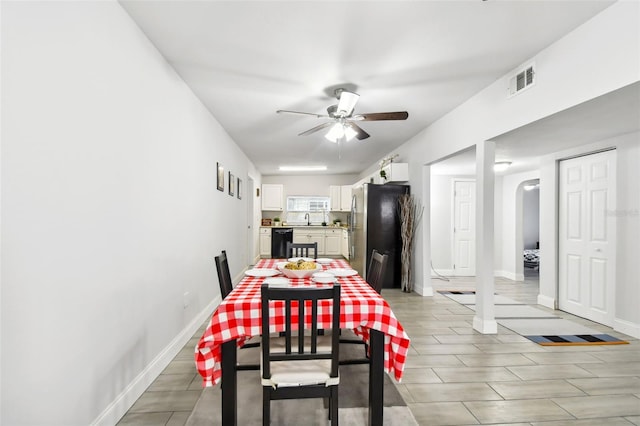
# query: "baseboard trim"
[[547, 301], [485, 326], [125, 400], [627, 327], [509, 275], [423, 289]]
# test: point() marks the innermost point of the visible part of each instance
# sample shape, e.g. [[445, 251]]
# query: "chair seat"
[[301, 373]]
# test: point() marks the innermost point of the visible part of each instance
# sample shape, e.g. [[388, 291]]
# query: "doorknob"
[[598, 250]]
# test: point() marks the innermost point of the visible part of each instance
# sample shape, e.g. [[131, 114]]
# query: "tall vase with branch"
[[410, 211]]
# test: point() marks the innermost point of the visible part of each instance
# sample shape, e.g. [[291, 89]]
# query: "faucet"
[[306, 216]]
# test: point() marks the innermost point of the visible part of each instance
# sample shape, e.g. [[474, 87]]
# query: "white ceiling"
[[616, 113], [245, 60]]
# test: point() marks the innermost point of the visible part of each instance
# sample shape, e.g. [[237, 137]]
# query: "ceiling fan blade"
[[378, 116], [284, 111], [347, 101], [360, 133], [317, 128]]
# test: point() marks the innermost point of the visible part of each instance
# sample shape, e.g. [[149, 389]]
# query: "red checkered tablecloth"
[[239, 317]]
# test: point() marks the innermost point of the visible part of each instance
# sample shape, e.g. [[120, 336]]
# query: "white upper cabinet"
[[397, 172], [334, 196], [272, 196], [340, 198], [345, 198]]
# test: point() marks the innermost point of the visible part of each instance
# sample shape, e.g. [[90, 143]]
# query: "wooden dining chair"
[[375, 276], [224, 276], [226, 285], [300, 365], [377, 268], [302, 249]]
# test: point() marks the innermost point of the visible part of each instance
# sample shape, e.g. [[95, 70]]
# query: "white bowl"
[[280, 265], [300, 273], [324, 277]]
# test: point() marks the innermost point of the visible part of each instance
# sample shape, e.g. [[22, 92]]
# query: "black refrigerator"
[[375, 224]]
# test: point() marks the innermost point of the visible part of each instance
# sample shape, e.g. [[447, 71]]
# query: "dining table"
[[238, 318]]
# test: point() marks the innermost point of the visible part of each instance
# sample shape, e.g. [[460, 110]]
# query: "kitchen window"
[[298, 207]]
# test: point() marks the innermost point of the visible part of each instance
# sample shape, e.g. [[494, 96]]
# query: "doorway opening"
[[530, 229]]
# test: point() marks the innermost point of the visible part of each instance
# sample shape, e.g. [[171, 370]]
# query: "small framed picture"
[[232, 184], [220, 177], [239, 189]]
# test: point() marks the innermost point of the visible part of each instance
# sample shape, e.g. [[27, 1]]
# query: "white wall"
[[442, 224], [110, 212], [607, 45], [531, 218], [627, 316], [310, 185], [315, 185], [628, 234], [442, 216]]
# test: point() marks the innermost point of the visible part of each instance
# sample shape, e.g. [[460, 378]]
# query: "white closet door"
[[586, 264], [464, 228]]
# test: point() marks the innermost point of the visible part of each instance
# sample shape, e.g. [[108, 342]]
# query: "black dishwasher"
[[279, 239]]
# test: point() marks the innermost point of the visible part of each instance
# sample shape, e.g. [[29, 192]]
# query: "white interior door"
[[464, 228], [251, 219], [586, 237]]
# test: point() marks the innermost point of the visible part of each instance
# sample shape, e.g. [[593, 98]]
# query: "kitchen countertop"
[[308, 226]]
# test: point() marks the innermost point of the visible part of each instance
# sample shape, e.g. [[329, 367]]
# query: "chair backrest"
[[376, 270], [224, 276], [300, 341], [302, 249]]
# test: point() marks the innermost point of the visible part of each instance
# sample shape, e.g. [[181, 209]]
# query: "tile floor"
[[456, 376]]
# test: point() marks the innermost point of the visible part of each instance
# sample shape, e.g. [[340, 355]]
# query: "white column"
[[484, 320], [425, 288]]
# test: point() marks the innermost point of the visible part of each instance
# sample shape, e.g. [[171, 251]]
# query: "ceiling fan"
[[342, 119]]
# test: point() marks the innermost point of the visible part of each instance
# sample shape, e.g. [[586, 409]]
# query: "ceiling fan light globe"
[[349, 133], [335, 133]]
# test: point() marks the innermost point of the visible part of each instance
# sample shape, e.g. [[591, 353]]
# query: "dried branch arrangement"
[[410, 215]]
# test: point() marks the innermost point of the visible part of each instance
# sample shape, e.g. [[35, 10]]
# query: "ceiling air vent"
[[523, 79]]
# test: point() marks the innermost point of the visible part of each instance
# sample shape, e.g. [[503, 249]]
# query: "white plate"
[[277, 281], [335, 280], [342, 272], [323, 260], [323, 277], [261, 272], [306, 259]]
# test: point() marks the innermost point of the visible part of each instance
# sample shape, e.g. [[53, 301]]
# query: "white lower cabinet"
[[345, 244], [265, 242], [303, 235], [333, 242]]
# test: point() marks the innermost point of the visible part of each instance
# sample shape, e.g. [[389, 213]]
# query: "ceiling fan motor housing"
[[343, 118]]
